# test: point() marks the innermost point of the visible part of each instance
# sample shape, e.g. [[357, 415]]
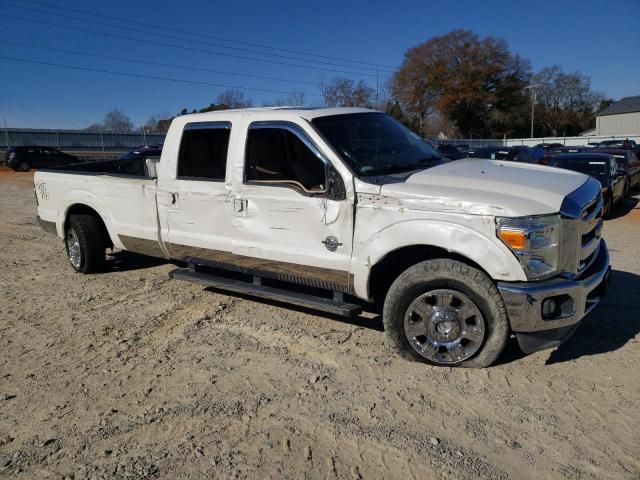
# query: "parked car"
[[629, 162], [142, 151], [601, 166], [565, 150], [450, 152], [619, 143], [24, 159], [548, 148], [337, 209], [515, 154]]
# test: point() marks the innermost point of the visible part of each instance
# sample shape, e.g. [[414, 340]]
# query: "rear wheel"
[[24, 166], [85, 243], [447, 313]]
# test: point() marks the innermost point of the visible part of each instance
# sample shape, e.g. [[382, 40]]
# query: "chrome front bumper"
[[577, 298]]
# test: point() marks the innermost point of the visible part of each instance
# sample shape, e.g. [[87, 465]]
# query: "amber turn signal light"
[[513, 238]]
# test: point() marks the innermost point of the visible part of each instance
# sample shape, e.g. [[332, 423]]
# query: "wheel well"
[[80, 209], [384, 273]]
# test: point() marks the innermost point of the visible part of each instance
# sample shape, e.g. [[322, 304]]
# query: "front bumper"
[[575, 297]]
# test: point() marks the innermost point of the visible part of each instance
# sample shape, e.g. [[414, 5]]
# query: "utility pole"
[[534, 96], [377, 88], [6, 132]]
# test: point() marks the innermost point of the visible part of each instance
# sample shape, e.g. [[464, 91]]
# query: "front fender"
[[471, 241]]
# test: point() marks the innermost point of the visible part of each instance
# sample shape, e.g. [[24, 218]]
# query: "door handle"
[[239, 206], [174, 198]]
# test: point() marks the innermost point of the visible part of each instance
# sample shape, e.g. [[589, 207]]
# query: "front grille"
[[590, 233]]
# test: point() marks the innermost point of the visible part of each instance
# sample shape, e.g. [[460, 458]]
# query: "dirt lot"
[[128, 374]]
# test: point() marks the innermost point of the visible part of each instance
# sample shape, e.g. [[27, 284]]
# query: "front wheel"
[[446, 313]]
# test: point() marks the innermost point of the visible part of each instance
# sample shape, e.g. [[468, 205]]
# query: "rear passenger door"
[[193, 202]]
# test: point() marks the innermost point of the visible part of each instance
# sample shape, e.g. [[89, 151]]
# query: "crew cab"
[[343, 209]]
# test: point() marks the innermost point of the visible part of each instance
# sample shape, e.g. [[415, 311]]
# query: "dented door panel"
[[281, 224]]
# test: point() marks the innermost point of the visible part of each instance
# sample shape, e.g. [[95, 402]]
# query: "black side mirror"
[[335, 185]]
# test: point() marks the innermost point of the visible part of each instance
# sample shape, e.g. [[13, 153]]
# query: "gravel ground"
[[127, 374]]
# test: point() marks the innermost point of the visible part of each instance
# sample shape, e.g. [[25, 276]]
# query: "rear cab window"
[[203, 151]]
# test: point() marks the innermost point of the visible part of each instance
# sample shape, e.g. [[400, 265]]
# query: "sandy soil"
[[128, 374]]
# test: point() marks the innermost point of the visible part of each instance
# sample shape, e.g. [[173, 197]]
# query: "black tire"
[[23, 166], [452, 275], [92, 244], [608, 207]]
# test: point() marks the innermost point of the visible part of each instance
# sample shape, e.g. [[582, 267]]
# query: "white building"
[[621, 118]]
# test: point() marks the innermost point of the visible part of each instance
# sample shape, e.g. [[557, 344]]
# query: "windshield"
[[375, 144], [594, 168]]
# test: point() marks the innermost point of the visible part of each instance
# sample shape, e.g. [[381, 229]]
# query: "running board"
[[256, 289]]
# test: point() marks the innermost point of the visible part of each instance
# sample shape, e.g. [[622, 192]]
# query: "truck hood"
[[487, 187]]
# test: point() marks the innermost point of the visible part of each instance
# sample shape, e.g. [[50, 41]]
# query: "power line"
[[148, 62], [214, 37], [140, 75], [181, 47], [183, 39]]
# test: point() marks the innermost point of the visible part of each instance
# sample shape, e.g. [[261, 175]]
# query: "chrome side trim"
[[142, 245], [310, 276], [287, 272]]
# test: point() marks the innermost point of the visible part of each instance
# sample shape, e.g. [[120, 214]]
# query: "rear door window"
[[203, 151]]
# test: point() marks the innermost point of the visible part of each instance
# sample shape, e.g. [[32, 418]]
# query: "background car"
[[512, 154], [603, 167], [450, 152], [24, 159], [548, 149], [628, 161], [142, 151], [619, 143]]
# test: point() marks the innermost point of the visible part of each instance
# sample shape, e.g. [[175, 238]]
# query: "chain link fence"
[[77, 140]]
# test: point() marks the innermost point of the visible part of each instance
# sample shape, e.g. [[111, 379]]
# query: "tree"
[[471, 81], [294, 98], [117, 122], [566, 103], [344, 92], [157, 124], [394, 110], [233, 99]]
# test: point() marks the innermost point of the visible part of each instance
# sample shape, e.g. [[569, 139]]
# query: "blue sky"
[[601, 39]]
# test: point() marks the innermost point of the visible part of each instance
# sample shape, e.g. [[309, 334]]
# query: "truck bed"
[[137, 167]]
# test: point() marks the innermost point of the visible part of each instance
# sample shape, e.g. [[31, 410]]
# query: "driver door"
[[290, 215]]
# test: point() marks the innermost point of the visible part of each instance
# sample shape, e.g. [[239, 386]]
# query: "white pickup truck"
[[340, 209]]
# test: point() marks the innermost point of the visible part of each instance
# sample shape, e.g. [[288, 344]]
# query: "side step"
[[335, 306]]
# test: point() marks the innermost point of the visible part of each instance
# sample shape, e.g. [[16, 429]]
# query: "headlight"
[[535, 242]]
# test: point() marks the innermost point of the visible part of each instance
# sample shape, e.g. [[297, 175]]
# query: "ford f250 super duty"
[[336, 209]]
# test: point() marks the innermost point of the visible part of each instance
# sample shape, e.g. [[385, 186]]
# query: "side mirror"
[[335, 185]]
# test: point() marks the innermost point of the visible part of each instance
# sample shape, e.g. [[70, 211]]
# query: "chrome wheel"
[[73, 248], [444, 326]]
